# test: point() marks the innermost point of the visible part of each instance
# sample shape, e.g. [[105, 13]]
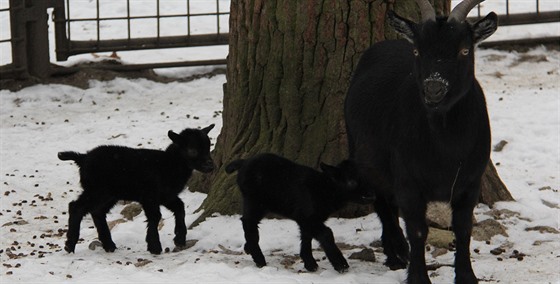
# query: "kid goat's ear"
[[173, 136], [208, 128]]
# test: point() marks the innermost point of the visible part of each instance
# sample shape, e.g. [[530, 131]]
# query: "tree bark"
[[288, 70]]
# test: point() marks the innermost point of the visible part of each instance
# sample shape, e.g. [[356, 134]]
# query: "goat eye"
[[415, 52], [465, 51]]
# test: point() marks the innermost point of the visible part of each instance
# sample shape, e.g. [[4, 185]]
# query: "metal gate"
[[29, 32], [29, 19]]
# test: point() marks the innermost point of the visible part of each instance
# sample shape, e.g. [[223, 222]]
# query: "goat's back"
[[128, 173]]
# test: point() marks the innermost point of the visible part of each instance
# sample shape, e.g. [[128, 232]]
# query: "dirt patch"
[[80, 75]]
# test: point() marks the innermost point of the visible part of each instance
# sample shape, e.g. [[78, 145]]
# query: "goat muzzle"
[[207, 167], [434, 88]]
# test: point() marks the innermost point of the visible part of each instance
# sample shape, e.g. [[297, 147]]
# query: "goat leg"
[[414, 212], [76, 213], [324, 235], [152, 236], [251, 229], [178, 208], [305, 250], [103, 232], [395, 246], [462, 227]]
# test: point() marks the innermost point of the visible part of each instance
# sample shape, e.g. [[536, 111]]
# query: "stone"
[[485, 230], [366, 254], [440, 238], [131, 210]]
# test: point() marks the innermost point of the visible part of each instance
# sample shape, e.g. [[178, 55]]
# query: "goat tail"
[[74, 156], [234, 166]]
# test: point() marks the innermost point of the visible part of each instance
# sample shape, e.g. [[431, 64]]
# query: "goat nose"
[[434, 91]]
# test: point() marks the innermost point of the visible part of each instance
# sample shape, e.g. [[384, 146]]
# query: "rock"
[[485, 230], [438, 215], [440, 238], [131, 210], [94, 244], [189, 244], [543, 229], [439, 251], [500, 146], [113, 223], [501, 214], [366, 254]]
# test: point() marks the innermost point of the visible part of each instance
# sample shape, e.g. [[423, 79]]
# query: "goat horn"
[[460, 12], [427, 11]]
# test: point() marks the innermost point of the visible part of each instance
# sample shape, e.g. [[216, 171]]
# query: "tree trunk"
[[288, 70]]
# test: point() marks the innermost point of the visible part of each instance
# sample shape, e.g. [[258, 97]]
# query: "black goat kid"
[[270, 183], [418, 127], [151, 177]]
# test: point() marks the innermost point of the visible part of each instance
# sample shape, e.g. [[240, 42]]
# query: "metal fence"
[[67, 46], [77, 34]]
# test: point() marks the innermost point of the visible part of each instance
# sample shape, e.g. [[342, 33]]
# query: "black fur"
[[417, 124], [151, 177], [270, 183]]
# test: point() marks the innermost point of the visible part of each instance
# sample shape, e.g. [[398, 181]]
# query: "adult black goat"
[[151, 177], [418, 128]]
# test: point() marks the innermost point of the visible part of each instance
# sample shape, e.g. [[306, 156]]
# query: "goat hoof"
[[342, 268], [396, 263], [68, 249], [311, 267], [156, 250], [110, 249], [180, 242], [260, 265]]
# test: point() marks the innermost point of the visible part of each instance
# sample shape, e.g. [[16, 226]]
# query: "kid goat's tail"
[[234, 166], [74, 156]]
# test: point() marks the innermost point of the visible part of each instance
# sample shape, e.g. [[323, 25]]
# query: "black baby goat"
[[270, 183], [151, 177], [418, 127]]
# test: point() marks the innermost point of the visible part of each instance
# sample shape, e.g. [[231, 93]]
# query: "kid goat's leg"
[[99, 216], [305, 250], [324, 235], [251, 218], [76, 211], [178, 208], [152, 236]]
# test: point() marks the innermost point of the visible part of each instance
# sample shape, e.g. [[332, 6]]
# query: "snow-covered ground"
[[523, 96], [523, 100]]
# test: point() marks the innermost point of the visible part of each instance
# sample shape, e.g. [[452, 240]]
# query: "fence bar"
[[17, 29], [149, 43], [61, 40], [529, 18], [134, 67]]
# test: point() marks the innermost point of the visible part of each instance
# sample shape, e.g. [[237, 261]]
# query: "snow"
[[523, 96]]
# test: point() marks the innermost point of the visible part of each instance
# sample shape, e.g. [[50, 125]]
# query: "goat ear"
[[173, 136], [485, 27], [208, 128], [402, 26]]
